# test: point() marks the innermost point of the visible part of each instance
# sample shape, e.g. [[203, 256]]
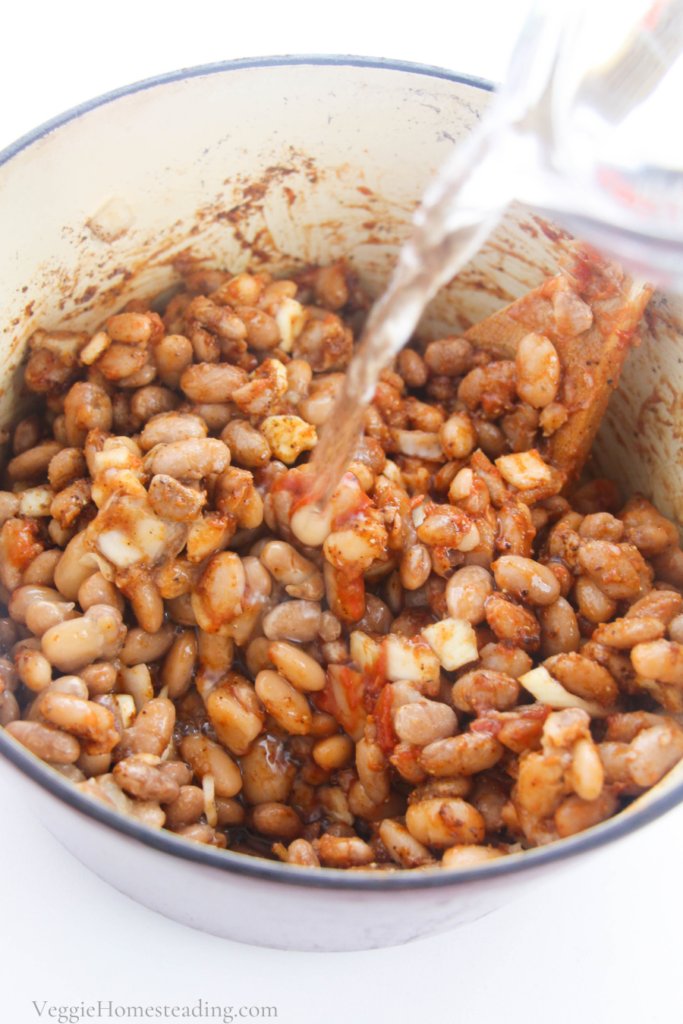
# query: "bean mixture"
[[469, 653]]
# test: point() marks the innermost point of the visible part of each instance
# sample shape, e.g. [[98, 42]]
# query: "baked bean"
[[33, 464], [482, 690], [72, 570], [293, 620], [526, 580], [513, 624], [445, 822], [96, 589], [412, 368], [302, 853], [402, 847], [172, 355], [466, 754], [593, 603], [179, 664], [266, 774], [100, 677], [574, 814], [236, 713], [151, 731], [144, 781], [424, 722], [659, 659], [186, 808], [416, 566], [333, 752], [467, 592], [34, 670], [464, 857], [559, 629], [449, 357], [538, 370], [45, 741], [288, 706], [583, 677], [208, 758], [618, 569], [458, 436], [89, 721], [626, 633], [167, 426], [191, 459], [502, 658], [601, 526], [302, 671], [75, 643], [277, 820], [141, 646]]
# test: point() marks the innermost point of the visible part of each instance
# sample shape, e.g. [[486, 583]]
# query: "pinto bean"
[[402, 847], [333, 752], [618, 569], [467, 592], [208, 758], [513, 624], [277, 820], [583, 677], [266, 773], [559, 628], [186, 809], [151, 731], [288, 706], [45, 741], [538, 370], [424, 722], [89, 721], [466, 754], [659, 659], [441, 823], [144, 781], [526, 580], [302, 671], [293, 620], [626, 633], [236, 713], [483, 690], [575, 815]]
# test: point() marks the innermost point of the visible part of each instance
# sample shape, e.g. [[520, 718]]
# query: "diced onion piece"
[[364, 651], [407, 660], [453, 641]]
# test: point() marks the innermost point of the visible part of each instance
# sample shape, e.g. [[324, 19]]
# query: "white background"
[[600, 945]]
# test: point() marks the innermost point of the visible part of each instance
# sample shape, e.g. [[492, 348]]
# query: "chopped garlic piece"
[[453, 641]]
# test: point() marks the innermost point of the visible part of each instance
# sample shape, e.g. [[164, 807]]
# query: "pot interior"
[[279, 166]]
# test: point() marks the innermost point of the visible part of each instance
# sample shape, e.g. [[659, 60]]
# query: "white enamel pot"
[[280, 163]]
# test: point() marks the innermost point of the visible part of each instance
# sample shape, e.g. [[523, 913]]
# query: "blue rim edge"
[[165, 842], [321, 60]]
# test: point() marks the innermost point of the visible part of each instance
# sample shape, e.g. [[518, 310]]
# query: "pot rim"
[[329, 878]]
